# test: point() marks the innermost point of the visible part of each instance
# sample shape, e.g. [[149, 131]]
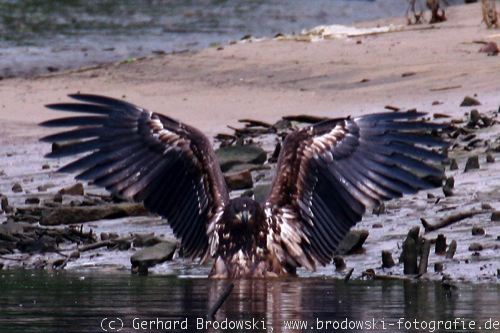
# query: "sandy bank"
[[264, 80]]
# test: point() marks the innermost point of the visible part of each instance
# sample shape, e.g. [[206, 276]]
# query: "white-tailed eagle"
[[328, 174]]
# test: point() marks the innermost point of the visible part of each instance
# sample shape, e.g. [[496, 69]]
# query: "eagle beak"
[[245, 216]]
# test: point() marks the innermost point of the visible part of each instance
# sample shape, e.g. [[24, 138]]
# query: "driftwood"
[[348, 275], [424, 259], [305, 118], [218, 303], [448, 220]]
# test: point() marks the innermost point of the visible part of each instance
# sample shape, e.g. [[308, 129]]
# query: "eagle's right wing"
[[147, 157], [329, 173]]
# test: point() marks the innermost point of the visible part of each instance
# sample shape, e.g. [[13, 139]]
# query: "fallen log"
[[444, 222]]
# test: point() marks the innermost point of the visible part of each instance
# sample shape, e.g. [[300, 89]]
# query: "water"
[[78, 302], [37, 37]]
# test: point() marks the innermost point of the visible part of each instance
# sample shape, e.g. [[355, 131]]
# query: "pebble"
[[477, 231], [475, 247], [387, 260], [495, 216], [16, 188]]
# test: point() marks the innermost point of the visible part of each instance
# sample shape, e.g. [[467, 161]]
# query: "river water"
[[38, 37], [35, 301]]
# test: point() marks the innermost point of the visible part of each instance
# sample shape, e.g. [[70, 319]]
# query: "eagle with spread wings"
[[328, 174]]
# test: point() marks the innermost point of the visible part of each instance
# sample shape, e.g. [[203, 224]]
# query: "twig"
[[218, 303], [348, 275], [449, 220]]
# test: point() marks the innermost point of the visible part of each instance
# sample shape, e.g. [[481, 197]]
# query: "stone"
[[69, 215], [495, 216], [16, 188], [76, 189], [153, 255], [475, 247], [438, 267], [240, 154], [472, 163], [470, 101], [32, 201], [453, 164], [440, 248], [353, 242], [145, 240], [387, 261], [260, 192], [239, 180], [477, 231], [339, 263]]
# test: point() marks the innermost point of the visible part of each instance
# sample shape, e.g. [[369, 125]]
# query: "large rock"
[[353, 242], [153, 255], [68, 215], [239, 180], [76, 189], [234, 155]]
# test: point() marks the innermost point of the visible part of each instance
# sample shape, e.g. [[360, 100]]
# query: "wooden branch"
[[444, 222], [218, 303]]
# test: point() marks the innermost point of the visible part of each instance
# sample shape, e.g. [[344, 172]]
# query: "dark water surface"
[[37, 37], [78, 302]]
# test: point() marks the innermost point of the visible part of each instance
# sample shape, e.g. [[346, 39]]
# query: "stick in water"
[[218, 303]]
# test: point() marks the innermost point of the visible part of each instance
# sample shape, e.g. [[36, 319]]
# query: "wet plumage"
[[327, 175]]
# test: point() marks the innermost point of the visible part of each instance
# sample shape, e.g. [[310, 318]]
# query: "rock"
[[380, 209], [495, 216], [4, 203], [470, 101], [377, 225], [353, 242], [239, 180], [339, 263], [239, 154], [32, 201], [44, 187], [58, 198], [477, 231], [475, 247], [490, 48], [16, 188], [438, 267], [104, 236], [474, 118], [76, 189], [145, 240], [486, 206], [490, 158], [260, 192], [387, 261], [45, 167], [430, 196], [68, 215], [472, 163], [453, 164], [153, 255], [440, 248]]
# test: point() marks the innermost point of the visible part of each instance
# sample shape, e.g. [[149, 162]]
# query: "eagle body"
[[327, 175]]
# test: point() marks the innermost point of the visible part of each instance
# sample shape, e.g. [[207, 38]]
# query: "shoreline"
[[431, 68]]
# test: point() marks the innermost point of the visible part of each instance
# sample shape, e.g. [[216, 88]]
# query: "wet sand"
[[428, 67]]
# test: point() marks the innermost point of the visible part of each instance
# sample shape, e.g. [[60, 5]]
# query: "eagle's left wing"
[[329, 173], [147, 157]]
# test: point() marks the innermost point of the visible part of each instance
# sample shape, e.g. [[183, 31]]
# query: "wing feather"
[[329, 173], [146, 157]]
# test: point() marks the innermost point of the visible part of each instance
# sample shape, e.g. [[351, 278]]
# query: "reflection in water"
[[70, 302]]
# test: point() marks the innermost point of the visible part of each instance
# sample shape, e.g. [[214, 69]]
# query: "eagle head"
[[244, 212]]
